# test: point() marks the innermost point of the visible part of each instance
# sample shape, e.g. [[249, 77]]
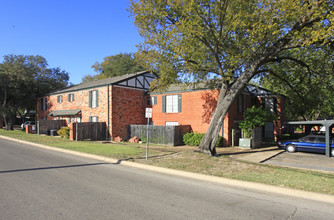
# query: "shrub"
[[64, 132], [254, 117], [194, 139]]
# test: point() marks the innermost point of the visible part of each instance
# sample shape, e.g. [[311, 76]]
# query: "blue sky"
[[70, 34]]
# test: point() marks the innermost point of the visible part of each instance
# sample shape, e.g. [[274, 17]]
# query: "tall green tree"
[[310, 89], [22, 80], [234, 40], [116, 65]]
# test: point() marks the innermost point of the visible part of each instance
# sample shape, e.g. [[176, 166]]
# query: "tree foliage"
[[254, 117], [115, 65], [23, 79], [234, 40], [308, 85]]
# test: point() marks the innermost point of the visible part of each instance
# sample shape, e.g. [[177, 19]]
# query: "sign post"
[[148, 115]]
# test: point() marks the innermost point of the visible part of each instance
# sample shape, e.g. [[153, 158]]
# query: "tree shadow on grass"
[[250, 151]]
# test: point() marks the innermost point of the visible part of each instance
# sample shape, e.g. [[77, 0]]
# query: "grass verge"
[[185, 158]]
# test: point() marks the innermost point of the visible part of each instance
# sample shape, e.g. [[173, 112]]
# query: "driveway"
[[303, 160]]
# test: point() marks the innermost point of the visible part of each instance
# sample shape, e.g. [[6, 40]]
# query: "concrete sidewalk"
[[258, 155]]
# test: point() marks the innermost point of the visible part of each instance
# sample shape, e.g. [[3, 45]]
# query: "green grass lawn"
[[117, 151], [185, 158]]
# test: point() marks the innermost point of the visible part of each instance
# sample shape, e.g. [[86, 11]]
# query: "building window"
[[152, 100], [172, 123], [93, 99], [241, 103], [44, 104], [59, 99], [171, 103], [93, 119], [71, 97], [270, 104]]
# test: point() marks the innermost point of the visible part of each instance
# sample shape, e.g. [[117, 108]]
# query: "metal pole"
[[232, 137], [328, 145], [147, 132]]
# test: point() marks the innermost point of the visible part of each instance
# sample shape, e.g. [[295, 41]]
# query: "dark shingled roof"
[[98, 83], [65, 112], [212, 84]]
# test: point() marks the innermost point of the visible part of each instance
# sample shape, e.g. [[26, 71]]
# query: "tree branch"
[[286, 81], [280, 59]]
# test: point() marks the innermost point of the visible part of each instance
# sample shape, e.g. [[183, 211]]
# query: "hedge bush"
[[64, 132], [194, 139]]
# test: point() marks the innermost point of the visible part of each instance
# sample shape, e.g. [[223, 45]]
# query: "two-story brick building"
[[118, 101], [121, 101], [195, 106]]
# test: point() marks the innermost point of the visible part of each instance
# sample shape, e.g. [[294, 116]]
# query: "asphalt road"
[[40, 184]]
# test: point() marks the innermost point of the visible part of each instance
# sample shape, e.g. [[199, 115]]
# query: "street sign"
[[148, 113]]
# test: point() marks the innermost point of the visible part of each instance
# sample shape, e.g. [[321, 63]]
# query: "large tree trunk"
[[227, 95], [9, 123]]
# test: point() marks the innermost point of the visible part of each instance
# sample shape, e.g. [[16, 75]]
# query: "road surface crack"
[[291, 216]]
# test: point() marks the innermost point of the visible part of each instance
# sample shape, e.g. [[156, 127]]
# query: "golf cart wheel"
[[290, 148]]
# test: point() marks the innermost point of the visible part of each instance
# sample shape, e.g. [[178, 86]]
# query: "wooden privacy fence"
[[45, 126], [89, 131], [168, 135]]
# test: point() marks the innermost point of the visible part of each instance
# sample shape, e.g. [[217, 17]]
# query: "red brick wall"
[[197, 109], [281, 116], [80, 102], [128, 107]]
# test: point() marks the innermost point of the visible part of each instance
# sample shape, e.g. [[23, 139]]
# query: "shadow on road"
[[49, 168]]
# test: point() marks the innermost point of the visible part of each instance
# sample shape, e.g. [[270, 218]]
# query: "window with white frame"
[[172, 123], [93, 119], [172, 104], [59, 99], [93, 98], [71, 97]]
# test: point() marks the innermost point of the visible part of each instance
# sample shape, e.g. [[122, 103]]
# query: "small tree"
[[254, 117], [64, 132]]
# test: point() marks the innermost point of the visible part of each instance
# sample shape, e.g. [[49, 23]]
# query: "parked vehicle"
[[310, 143], [23, 126]]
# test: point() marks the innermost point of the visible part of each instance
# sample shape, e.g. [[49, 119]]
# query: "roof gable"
[[139, 80]]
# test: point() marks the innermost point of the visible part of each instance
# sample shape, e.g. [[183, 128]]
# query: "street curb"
[[202, 177]]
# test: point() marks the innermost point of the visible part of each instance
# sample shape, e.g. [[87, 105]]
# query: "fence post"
[[76, 131], [38, 124]]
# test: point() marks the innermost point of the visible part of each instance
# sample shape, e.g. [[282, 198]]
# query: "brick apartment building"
[[195, 106], [118, 101], [121, 101]]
